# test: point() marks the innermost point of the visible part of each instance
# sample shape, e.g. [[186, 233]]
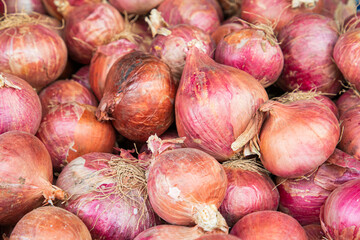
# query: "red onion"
[[277, 12], [204, 14], [254, 50], [347, 100], [20, 107], [308, 54], [26, 6], [139, 96], [340, 215], [226, 29], [217, 237], [65, 91], [249, 190], [215, 104], [352, 22], [50, 223], [26, 176], [89, 26], [31, 51], [82, 76], [135, 6], [108, 194], [103, 59], [330, 104], [51, 23], [186, 186], [314, 232], [268, 225], [71, 130], [166, 232]]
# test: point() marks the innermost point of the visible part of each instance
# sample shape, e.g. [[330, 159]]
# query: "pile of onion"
[[347, 100], [82, 76], [70, 130], [24, 6], [139, 96], [50, 223], [215, 104], [227, 28], [135, 6], [20, 105], [26, 176], [108, 193], [165, 232]]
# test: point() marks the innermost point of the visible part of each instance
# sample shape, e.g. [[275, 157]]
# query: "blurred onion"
[[347, 100], [135, 6], [25, 6]]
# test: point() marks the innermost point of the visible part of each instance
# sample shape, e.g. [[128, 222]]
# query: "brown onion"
[[165, 232], [347, 100], [70, 130], [26, 175], [226, 29], [135, 6], [139, 96], [20, 107], [314, 232], [50, 223], [82, 76]]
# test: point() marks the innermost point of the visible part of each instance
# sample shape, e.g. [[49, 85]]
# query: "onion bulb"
[[347, 100], [227, 28], [165, 232]]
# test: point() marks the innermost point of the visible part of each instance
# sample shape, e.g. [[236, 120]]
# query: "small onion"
[[20, 107], [268, 225], [82, 76], [26, 6], [166, 232], [347, 100], [226, 29], [65, 91], [70, 130], [308, 54], [186, 186], [217, 237], [50, 223], [26, 176], [204, 14], [139, 96], [135, 6], [314, 232], [340, 215]]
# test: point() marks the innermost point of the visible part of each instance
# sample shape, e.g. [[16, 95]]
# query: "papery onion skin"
[[139, 96], [82, 76], [217, 237], [50, 223], [250, 50], [70, 130], [21, 107], [103, 59], [173, 48], [27, 6], [314, 232], [165, 232], [135, 6], [308, 54], [65, 91], [90, 26], [305, 126], [26, 174], [32, 52], [226, 29], [268, 225], [347, 100], [340, 215], [214, 104], [204, 14]]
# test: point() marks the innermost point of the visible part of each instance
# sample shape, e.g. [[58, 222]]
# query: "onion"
[[71, 130], [103, 59], [165, 232], [65, 91], [347, 100], [26, 176], [352, 22], [139, 96], [254, 50], [24, 6], [226, 29], [82, 76], [215, 104], [340, 215], [204, 14], [51, 23], [330, 104], [277, 12], [314, 232], [31, 50], [20, 107], [217, 237], [268, 225], [108, 194], [135, 6], [330, 7], [304, 126], [89, 26], [50, 223], [186, 186], [249, 190], [308, 54]]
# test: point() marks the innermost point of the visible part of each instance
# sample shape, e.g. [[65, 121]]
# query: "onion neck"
[[6, 83], [209, 218], [63, 7], [306, 3], [52, 193]]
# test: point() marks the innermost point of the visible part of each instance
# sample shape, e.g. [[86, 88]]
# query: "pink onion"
[[165, 232], [204, 14], [135, 6], [217, 237], [227, 28], [109, 194], [340, 215], [186, 186], [314, 232], [82, 76], [20, 107], [27, 6], [26, 176], [215, 104], [50, 223], [347, 100], [308, 54], [71, 130], [329, 103], [249, 190]]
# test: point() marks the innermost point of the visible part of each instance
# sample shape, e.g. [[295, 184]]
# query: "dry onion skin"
[[227, 28]]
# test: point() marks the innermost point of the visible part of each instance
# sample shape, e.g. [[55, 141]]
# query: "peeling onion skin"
[[135, 6], [32, 52], [47, 223], [226, 29], [20, 109], [346, 101], [82, 77], [214, 104], [27, 6], [308, 55], [268, 225], [70, 130], [314, 232], [204, 14], [26, 174], [340, 215], [166, 232]]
